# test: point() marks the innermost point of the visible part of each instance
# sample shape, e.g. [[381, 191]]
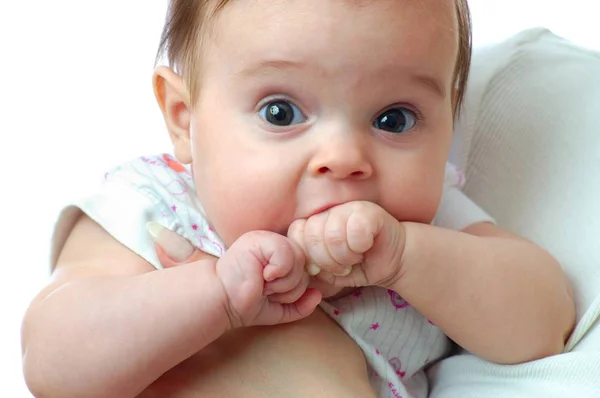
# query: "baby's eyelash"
[[411, 108], [274, 98]]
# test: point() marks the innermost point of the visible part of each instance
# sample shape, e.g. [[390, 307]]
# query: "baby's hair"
[[185, 27]]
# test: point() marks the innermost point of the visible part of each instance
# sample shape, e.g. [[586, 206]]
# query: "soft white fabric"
[[529, 141], [398, 342]]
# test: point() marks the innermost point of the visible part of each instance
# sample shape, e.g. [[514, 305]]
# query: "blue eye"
[[281, 113], [396, 120]]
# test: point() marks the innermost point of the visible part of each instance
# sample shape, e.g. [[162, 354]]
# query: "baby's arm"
[[497, 295], [109, 325]]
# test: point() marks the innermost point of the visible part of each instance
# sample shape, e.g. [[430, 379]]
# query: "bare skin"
[[311, 357], [292, 360]]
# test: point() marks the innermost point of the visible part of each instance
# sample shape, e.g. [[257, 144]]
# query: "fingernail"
[[345, 272], [174, 246], [313, 269]]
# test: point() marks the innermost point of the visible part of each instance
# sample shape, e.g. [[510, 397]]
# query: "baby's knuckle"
[[335, 238], [250, 238], [312, 240], [362, 207], [285, 247], [296, 227]]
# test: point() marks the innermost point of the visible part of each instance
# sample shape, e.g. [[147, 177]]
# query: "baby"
[[308, 136]]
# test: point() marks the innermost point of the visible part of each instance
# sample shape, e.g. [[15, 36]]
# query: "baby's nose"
[[342, 158]]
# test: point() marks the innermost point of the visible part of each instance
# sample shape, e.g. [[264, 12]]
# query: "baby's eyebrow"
[[269, 65], [432, 83], [428, 82]]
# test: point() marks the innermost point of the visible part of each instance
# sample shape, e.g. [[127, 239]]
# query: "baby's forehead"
[[340, 35], [438, 12]]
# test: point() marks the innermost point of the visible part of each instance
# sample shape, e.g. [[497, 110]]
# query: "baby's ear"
[[173, 100]]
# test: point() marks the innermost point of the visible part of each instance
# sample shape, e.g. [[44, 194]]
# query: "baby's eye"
[[281, 113], [396, 120]]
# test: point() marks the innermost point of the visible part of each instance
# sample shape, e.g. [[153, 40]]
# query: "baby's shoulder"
[[154, 171], [148, 189]]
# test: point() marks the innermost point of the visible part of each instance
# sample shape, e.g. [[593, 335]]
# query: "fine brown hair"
[[185, 28]]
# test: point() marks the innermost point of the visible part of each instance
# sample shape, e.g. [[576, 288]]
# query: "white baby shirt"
[[397, 341]]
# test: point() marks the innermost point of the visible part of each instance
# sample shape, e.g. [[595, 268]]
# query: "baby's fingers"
[[325, 243], [355, 278], [361, 230], [286, 291], [296, 235], [300, 309], [337, 244], [286, 262]]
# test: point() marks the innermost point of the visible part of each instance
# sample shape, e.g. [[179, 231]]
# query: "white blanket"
[[529, 140]]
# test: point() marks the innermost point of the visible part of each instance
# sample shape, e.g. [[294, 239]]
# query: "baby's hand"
[[264, 280], [354, 244]]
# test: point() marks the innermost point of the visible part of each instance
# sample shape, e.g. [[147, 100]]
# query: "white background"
[[76, 99]]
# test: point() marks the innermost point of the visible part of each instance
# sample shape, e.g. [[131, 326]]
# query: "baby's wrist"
[[396, 241], [210, 296], [415, 244], [227, 314]]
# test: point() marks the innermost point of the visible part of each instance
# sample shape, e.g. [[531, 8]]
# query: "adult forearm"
[[113, 336], [503, 299]]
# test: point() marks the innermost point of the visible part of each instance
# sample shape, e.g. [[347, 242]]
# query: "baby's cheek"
[[235, 207], [229, 221], [426, 209], [219, 208], [421, 206]]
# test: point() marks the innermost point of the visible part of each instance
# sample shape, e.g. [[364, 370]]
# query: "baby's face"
[[308, 104]]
